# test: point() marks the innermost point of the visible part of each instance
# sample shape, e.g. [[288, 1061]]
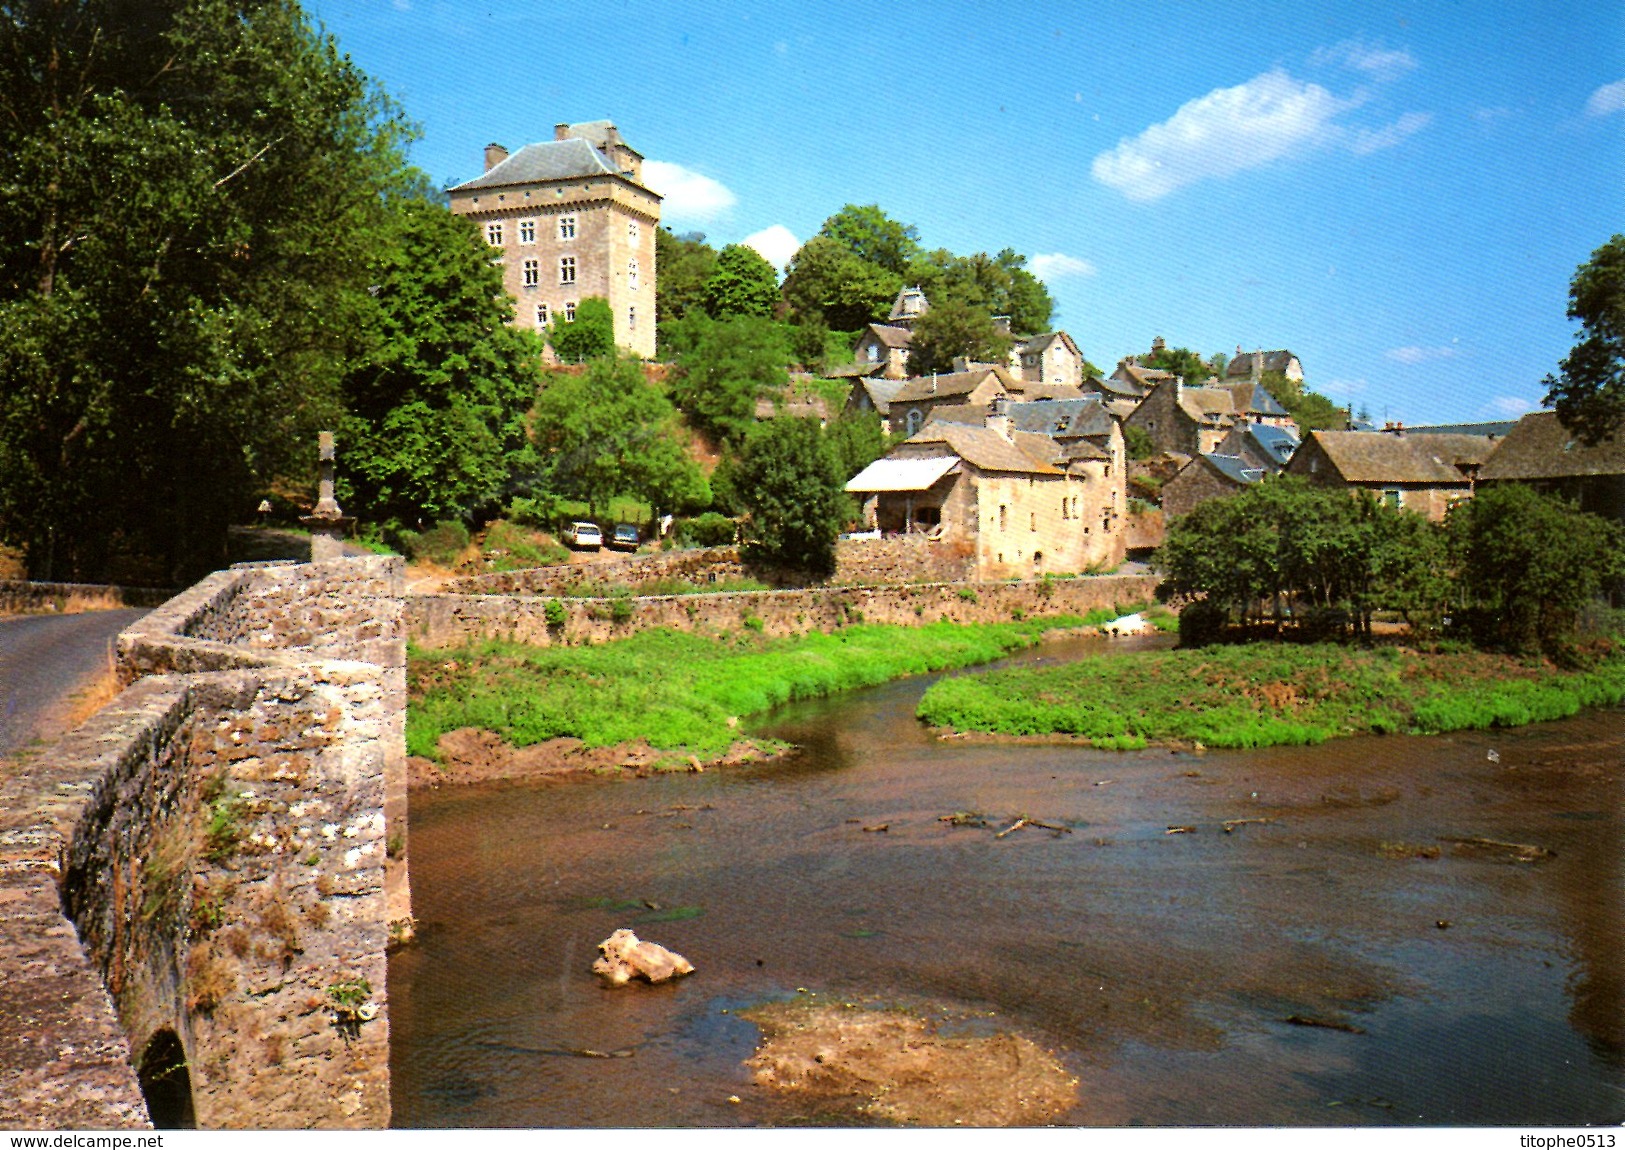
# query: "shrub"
[[620, 607], [1201, 623], [708, 530], [443, 544], [553, 611], [968, 594]]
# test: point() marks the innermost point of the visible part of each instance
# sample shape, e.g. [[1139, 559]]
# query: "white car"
[[584, 535]]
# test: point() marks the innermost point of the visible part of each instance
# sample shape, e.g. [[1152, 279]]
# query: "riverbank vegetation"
[[627, 690], [1270, 694]]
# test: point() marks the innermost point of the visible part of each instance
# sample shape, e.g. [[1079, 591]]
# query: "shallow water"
[[1162, 967]]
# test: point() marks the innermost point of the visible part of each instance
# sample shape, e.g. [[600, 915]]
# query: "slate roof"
[[571, 159], [984, 448], [1123, 388], [1232, 467], [1211, 406], [880, 392], [1455, 448], [1242, 365], [1062, 418], [1497, 428], [1540, 447], [973, 414], [1082, 449], [1275, 443], [890, 336], [1382, 457], [951, 384], [1144, 377], [1253, 399], [853, 370]]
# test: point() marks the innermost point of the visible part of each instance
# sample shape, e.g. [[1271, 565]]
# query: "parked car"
[[624, 537], [585, 536]]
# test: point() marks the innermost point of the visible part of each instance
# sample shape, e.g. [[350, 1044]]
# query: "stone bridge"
[[198, 886]]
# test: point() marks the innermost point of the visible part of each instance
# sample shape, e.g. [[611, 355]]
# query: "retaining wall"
[[27, 598], [440, 621], [220, 838]]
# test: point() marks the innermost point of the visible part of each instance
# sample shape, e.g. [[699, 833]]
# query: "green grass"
[[1268, 695], [622, 691]]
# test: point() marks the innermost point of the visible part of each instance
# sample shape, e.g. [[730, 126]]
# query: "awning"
[[902, 474]]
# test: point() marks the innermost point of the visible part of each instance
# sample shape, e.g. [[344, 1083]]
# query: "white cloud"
[[688, 197], [1509, 406], [1342, 387], [1607, 99], [1229, 130], [1366, 140], [776, 243], [1054, 265], [1373, 59], [1411, 356]]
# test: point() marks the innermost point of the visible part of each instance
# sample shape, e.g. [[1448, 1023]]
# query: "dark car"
[[624, 537]]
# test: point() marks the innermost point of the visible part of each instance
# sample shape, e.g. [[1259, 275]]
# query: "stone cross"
[[327, 523]]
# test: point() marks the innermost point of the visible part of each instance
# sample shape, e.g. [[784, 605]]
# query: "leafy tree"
[[685, 262], [724, 368], [1137, 442], [874, 237], [1310, 410], [1590, 393], [604, 432], [1529, 563], [1218, 362], [830, 284], [858, 439], [996, 285], [435, 422], [954, 328], [194, 192], [743, 283], [591, 335], [789, 482], [1183, 362]]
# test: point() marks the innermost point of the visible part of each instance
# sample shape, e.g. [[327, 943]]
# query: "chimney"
[[494, 155], [1158, 344], [961, 363], [1001, 324], [998, 416], [561, 131], [1258, 366]]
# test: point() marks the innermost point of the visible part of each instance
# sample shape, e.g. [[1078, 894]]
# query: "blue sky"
[[1399, 193]]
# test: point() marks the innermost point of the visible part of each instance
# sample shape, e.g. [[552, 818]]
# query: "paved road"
[[43, 659]]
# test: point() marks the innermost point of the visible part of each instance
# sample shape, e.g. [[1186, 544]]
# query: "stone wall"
[[18, 597], [441, 621], [227, 838]]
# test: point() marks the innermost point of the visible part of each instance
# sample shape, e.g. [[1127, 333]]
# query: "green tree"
[[996, 285], [1183, 362], [828, 283], [954, 328], [604, 431], [724, 367], [1589, 395], [1218, 362], [874, 237], [789, 482], [685, 263], [1310, 410], [1529, 563], [858, 439], [1137, 442], [591, 335], [435, 423], [194, 190], [743, 283]]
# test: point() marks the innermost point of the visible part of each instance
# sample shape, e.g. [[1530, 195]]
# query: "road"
[[43, 660]]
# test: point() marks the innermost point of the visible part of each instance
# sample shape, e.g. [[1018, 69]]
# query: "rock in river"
[[625, 958]]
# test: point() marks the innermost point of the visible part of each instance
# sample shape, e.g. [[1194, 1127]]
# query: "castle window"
[[632, 274], [493, 233], [567, 269], [632, 318], [527, 231], [915, 418], [567, 227], [532, 270], [1034, 521], [542, 318], [1004, 516], [570, 312], [632, 231]]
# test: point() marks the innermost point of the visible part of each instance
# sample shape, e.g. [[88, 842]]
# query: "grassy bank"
[[1268, 694], [679, 690]]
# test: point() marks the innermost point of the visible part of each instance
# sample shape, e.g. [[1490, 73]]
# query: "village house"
[[1051, 358], [1253, 364], [911, 406], [1542, 452], [1260, 445], [1212, 475], [1020, 502], [1404, 471], [884, 346], [571, 219], [1185, 420], [1253, 403]]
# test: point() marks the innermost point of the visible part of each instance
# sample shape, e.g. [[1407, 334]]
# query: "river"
[[1433, 982]]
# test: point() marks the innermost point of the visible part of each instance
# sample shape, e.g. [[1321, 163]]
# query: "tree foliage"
[[828, 283], [193, 193], [723, 367], [1529, 564], [435, 412], [685, 263], [1183, 362], [993, 285], [1310, 410], [954, 328], [590, 335], [742, 283], [1589, 395], [874, 237], [604, 432], [858, 439], [789, 482]]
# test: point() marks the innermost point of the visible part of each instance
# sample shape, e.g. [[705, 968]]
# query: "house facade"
[[1253, 364], [1402, 471], [1051, 358], [911, 406], [1543, 453], [1011, 499], [1210, 476], [570, 219], [1184, 420]]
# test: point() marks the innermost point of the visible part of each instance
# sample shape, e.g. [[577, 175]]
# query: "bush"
[[554, 613], [708, 530], [441, 545], [1201, 623]]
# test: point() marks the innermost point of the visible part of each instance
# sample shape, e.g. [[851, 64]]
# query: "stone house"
[[569, 219], [1254, 403], [1543, 453], [911, 406], [1020, 503], [885, 345], [1051, 358], [872, 394], [1212, 475], [1184, 420], [1260, 445], [1401, 470], [1253, 365]]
